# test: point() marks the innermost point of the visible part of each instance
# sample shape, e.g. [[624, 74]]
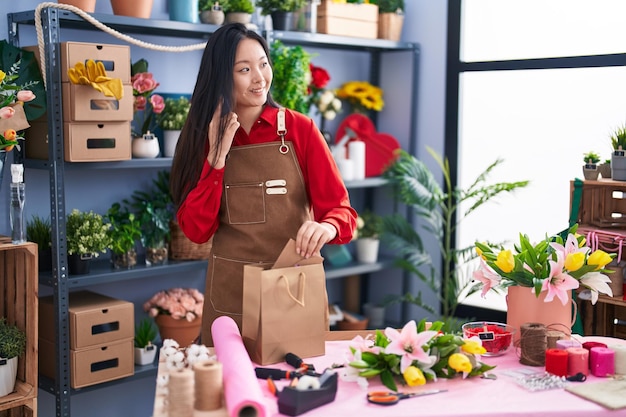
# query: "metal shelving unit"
[[53, 21]]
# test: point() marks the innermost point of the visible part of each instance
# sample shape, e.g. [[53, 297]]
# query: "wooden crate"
[[19, 305], [603, 203], [348, 19]]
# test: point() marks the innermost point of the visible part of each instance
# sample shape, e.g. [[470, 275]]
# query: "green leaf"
[[386, 377]]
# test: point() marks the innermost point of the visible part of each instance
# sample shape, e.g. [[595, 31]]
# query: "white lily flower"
[[596, 282]]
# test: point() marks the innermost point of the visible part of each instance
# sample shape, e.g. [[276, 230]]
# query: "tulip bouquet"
[[12, 96], [555, 265], [414, 355]]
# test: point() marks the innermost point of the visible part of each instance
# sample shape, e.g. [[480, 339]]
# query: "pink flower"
[[25, 96], [140, 103], [157, 102], [6, 112], [361, 344], [180, 303], [559, 282], [143, 83], [409, 344], [487, 276]]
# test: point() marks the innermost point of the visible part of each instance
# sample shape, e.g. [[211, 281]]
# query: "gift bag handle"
[[302, 279]]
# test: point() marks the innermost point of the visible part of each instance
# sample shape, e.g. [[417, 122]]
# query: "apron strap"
[[281, 130]]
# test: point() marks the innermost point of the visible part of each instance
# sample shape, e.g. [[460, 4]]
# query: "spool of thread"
[[566, 344], [208, 385], [556, 361], [620, 358], [552, 336], [180, 393], [532, 344], [356, 153], [577, 361], [589, 345], [601, 361]]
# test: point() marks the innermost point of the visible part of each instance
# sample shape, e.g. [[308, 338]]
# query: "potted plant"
[[238, 11], [605, 169], [291, 71], [171, 120], [390, 18], [12, 345], [124, 232], [145, 336], [211, 12], [39, 231], [618, 158], [147, 106], [178, 313], [590, 168], [367, 235], [281, 11], [87, 237], [154, 210]]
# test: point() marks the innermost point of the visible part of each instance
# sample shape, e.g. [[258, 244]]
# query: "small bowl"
[[496, 337]]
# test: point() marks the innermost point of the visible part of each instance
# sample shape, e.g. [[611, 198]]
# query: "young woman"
[[249, 174]]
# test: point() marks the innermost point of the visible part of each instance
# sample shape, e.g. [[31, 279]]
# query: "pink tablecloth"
[[474, 397]]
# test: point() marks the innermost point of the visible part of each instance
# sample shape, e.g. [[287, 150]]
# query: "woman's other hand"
[[312, 236]]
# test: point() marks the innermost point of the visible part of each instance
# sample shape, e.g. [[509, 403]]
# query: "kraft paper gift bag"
[[285, 308]]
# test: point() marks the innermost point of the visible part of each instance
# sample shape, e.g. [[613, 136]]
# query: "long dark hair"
[[214, 84]]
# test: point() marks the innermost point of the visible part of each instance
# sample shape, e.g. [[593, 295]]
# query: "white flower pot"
[[146, 146], [8, 374], [170, 139], [146, 355], [367, 250]]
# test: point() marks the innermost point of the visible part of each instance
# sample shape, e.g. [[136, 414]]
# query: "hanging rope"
[[102, 27]]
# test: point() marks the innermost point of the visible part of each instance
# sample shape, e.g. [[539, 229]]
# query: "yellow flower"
[[599, 258], [460, 363], [473, 347], [574, 261], [2, 75], [414, 376], [505, 261]]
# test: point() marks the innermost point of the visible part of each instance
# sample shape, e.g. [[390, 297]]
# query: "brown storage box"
[[82, 103], [116, 58], [83, 142], [94, 319], [603, 203], [347, 19], [92, 365]]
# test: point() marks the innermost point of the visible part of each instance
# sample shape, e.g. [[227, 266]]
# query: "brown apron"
[[263, 205]]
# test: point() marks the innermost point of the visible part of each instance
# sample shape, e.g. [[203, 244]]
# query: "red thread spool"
[[556, 361], [577, 361], [589, 345]]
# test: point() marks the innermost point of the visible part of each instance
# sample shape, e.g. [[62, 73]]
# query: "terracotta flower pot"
[[182, 331], [88, 6], [137, 8]]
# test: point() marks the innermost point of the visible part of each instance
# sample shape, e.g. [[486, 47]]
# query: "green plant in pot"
[[605, 169], [39, 231], [390, 18], [155, 210], [618, 157], [12, 345], [171, 120], [87, 236], [145, 336], [369, 229], [238, 11], [211, 12], [291, 68], [125, 231], [590, 168], [281, 11]]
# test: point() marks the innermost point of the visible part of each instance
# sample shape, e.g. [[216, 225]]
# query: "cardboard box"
[[116, 58], [94, 319], [82, 103], [83, 141], [348, 19], [91, 366]]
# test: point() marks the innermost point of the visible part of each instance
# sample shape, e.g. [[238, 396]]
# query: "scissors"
[[390, 397]]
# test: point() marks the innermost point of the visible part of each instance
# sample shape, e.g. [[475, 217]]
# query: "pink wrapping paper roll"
[[241, 388]]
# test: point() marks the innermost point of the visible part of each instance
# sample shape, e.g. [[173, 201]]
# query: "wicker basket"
[[183, 249]]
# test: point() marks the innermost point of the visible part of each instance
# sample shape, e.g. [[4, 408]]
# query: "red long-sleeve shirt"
[[198, 215]]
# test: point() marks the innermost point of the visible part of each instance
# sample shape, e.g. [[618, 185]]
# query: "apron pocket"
[[245, 203]]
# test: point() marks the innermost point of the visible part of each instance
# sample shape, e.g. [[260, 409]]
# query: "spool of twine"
[[209, 386], [532, 344], [552, 336], [180, 393]]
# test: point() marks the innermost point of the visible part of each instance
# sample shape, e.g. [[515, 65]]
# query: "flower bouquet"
[[146, 104], [362, 95], [553, 265], [12, 98], [415, 355], [179, 303]]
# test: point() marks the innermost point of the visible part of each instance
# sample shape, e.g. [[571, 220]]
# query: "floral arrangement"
[[12, 95], [180, 303], [180, 358], [327, 103], [552, 265], [146, 104], [415, 355], [368, 224], [86, 233], [362, 95]]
